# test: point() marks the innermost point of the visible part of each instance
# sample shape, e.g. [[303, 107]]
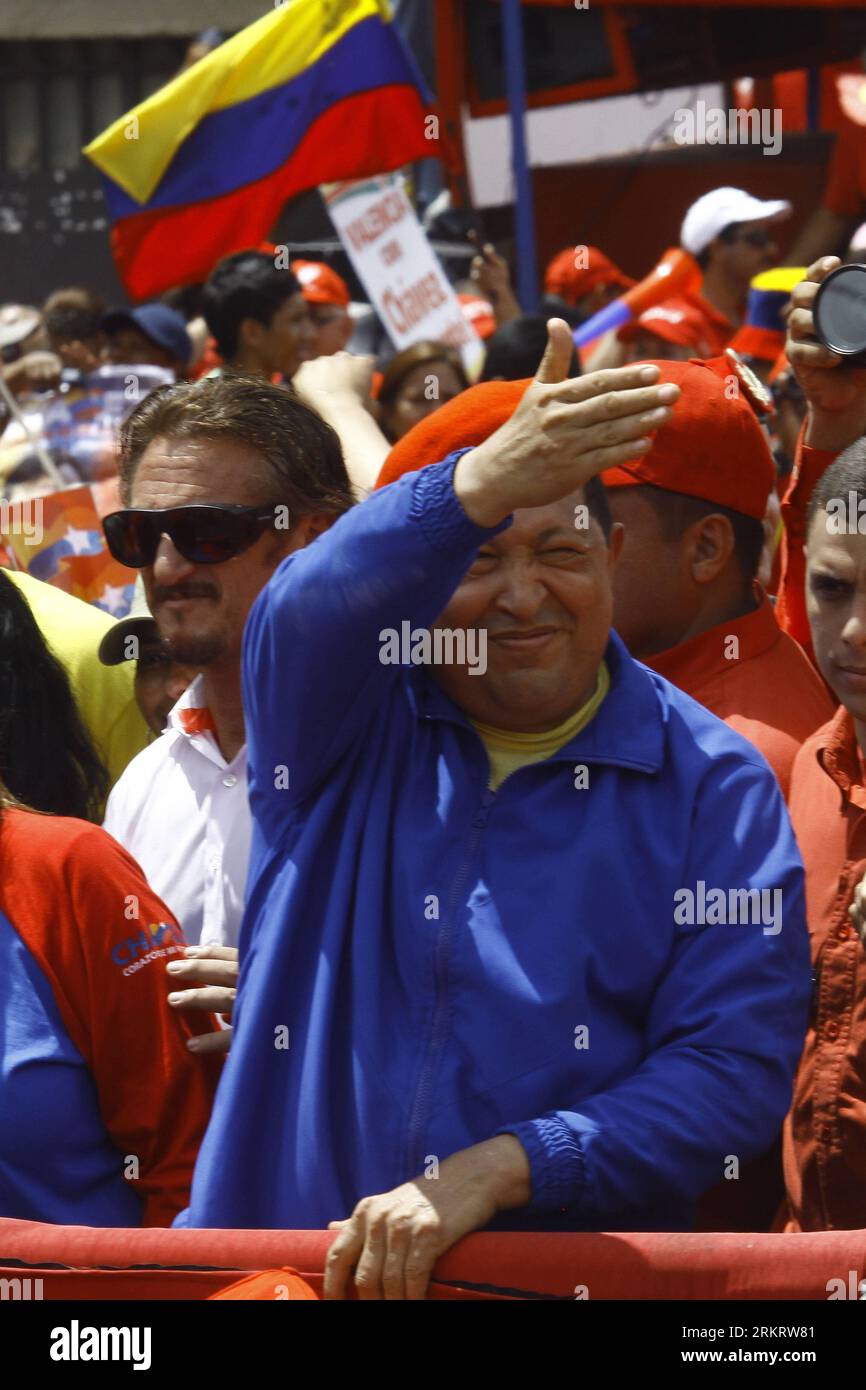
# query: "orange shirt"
[[809, 466], [764, 686], [824, 1144]]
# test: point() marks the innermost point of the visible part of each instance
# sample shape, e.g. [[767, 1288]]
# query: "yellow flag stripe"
[[137, 149], [783, 277]]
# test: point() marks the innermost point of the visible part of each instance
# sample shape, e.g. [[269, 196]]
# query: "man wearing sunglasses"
[[221, 480], [729, 232]]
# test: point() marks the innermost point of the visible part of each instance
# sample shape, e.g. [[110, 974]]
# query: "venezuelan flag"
[[316, 91]]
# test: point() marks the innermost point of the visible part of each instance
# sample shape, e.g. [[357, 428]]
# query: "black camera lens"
[[839, 312]]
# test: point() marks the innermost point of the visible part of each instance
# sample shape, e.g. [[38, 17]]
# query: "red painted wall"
[[632, 207]]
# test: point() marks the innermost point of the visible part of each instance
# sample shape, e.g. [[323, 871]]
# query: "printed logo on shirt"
[[153, 942]]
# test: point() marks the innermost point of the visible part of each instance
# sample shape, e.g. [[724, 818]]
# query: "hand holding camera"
[[826, 334]]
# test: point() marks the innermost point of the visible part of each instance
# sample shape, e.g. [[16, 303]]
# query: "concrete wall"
[[95, 19]]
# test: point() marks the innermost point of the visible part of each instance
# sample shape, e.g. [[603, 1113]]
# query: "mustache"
[[192, 589]]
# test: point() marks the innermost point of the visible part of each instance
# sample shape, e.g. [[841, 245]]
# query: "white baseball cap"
[[718, 209], [857, 242]]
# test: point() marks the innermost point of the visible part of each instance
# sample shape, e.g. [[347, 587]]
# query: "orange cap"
[[571, 281], [320, 284], [712, 447]]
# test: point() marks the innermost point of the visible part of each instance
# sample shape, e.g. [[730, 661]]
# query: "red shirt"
[[769, 692], [825, 1132], [809, 466], [773, 696], [715, 328], [845, 190], [103, 1105]]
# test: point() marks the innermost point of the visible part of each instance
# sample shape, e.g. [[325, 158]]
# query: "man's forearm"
[[506, 307], [825, 234], [365, 447], [832, 431], [498, 1166]]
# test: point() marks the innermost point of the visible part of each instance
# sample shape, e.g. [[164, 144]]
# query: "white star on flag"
[[81, 541], [114, 598]]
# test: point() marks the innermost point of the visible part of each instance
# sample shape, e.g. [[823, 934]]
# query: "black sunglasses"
[[204, 533], [759, 238]]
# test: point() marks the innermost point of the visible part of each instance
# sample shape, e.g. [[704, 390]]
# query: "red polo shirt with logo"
[[103, 1105]]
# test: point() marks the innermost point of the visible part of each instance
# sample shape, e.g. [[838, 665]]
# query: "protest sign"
[[397, 266]]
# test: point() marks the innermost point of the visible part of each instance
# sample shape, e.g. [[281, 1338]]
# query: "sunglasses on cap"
[[203, 533]]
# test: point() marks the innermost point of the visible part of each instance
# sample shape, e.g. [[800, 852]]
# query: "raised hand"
[[565, 430]]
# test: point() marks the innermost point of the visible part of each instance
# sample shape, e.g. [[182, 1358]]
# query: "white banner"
[[398, 268]]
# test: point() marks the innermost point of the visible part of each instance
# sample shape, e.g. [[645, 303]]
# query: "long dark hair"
[[47, 760]]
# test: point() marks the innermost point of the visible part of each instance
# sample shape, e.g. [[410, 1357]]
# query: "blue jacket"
[[430, 951]]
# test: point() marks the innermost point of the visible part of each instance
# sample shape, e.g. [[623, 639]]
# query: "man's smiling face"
[[542, 592]]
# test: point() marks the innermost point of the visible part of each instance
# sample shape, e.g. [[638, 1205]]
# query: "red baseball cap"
[[320, 284], [712, 448], [567, 276], [479, 313], [676, 321]]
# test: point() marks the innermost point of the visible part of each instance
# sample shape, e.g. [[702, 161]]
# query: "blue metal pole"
[[524, 209]]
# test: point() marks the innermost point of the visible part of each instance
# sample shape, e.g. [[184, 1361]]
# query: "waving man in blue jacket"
[[524, 942]]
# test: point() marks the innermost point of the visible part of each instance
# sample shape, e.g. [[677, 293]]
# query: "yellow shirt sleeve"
[[105, 694]]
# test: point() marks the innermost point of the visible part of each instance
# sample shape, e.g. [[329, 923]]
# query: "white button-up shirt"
[[182, 812]]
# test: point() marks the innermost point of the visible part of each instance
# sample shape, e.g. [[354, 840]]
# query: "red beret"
[[712, 447], [461, 423]]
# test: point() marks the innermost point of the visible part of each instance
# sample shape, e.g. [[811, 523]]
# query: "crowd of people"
[[465, 827]]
